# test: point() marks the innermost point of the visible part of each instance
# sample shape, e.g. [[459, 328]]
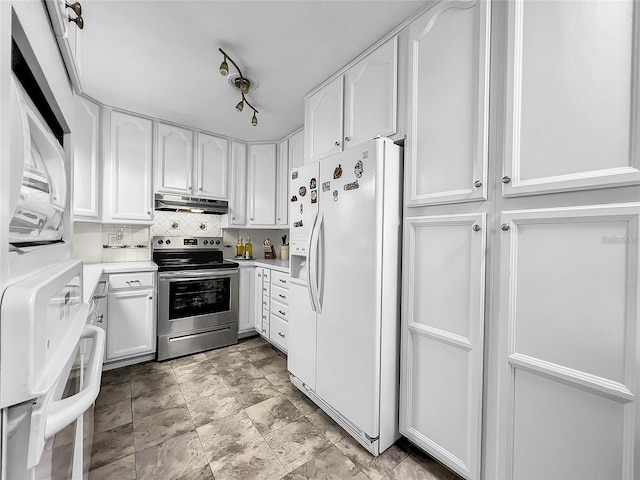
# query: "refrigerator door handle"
[[312, 260], [320, 266]]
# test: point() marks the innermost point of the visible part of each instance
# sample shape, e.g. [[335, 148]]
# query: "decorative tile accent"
[[177, 224], [125, 243]]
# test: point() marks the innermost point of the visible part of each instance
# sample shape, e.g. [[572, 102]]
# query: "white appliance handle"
[[320, 255], [310, 271], [313, 264], [51, 418]]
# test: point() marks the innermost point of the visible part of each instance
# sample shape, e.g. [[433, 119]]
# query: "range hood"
[[178, 203]]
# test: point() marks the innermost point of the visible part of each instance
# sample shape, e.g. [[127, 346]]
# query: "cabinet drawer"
[[266, 275], [279, 309], [280, 294], [131, 280], [280, 279], [279, 332], [266, 302]]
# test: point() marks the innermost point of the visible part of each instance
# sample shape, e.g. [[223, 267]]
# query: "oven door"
[[197, 300]]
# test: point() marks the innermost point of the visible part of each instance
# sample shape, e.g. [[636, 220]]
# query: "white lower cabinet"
[[569, 370], [271, 305], [261, 303], [246, 309], [442, 338], [131, 325]]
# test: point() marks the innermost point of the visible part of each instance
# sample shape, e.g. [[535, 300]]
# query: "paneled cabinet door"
[[86, 161], [174, 160], [323, 122], [568, 356], [128, 186], [212, 163], [370, 97], [238, 184], [296, 150], [282, 186], [261, 187], [132, 322], [442, 338], [448, 91], [246, 307], [257, 300], [561, 132]]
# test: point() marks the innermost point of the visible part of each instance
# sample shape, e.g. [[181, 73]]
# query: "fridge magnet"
[[294, 175], [174, 225], [312, 183], [297, 224], [337, 173], [302, 191], [358, 169], [314, 196], [301, 207], [326, 186], [294, 198], [335, 195], [352, 185]]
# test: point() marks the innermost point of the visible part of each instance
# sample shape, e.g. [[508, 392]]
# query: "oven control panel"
[[163, 243]]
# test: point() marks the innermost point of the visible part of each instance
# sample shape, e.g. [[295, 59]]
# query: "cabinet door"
[[174, 160], [128, 190], [257, 300], [282, 186], [261, 194], [296, 150], [238, 181], [132, 323], [212, 167], [448, 91], [247, 305], [323, 122], [562, 132], [370, 97], [569, 331], [86, 161], [442, 338]]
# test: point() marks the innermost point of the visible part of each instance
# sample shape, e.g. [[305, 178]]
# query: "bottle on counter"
[[240, 248], [248, 249]]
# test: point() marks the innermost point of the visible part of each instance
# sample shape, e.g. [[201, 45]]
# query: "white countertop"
[[275, 264], [93, 271]]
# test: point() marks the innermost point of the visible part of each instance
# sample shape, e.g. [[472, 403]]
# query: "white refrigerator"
[[345, 293]]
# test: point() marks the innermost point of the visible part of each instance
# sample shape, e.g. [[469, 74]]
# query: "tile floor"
[[230, 413]]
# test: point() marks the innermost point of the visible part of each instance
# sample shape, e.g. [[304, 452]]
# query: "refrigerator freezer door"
[[348, 329], [304, 188], [301, 357]]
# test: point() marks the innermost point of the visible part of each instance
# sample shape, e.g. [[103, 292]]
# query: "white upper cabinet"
[[573, 124], [296, 150], [128, 184], [370, 95], [69, 37], [364, 97], [261, 185], [212, 167], [238, 187], [448, 91], [86, 161], [323, 122], [282, 186], [174, 160]]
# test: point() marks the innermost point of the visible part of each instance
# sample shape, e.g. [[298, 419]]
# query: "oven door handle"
[[177, 277], [51, 418]]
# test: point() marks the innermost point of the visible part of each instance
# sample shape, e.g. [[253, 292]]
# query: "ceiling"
[[161, 59]]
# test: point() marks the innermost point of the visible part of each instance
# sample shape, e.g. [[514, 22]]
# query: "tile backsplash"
[[177, 224], [125, 243]]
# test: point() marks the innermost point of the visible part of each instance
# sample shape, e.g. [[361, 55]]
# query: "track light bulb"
[[254, 119], [240, 105], [224, 68]]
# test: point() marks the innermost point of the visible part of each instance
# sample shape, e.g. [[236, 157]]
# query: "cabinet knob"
[[347, 139], [477, 184], [150, 297], [233, 218], [281, 312], [79, 21], [76, 7], [337, 144], [251, 219], [148, 212], [506, 179], [200, 189], [281, 334], [504, 227], [477, 228]]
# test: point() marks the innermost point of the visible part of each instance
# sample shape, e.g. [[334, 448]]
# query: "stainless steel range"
[[197, 295]]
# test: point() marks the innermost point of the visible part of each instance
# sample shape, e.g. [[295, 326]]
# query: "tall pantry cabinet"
[[535, 222]]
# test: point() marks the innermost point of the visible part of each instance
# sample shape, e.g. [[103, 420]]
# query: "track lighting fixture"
[[241, 82]]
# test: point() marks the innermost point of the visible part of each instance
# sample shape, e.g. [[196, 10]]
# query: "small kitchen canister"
[[284, 252]]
